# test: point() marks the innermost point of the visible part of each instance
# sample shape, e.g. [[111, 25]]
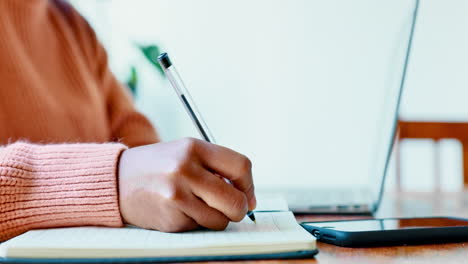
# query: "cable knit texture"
[[58, 94]]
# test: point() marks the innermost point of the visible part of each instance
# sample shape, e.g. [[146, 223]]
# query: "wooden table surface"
[[397, 205]]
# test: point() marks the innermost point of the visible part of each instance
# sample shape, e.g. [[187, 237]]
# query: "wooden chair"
[[435, 131]]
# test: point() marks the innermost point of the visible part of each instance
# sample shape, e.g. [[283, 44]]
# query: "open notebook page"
[[273, 232]]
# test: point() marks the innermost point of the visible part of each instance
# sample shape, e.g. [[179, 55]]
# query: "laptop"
[[363, 200]]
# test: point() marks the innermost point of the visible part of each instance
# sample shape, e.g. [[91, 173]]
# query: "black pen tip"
[[251, 215]]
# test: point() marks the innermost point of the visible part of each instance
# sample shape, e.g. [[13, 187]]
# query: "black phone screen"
[[389, 224]]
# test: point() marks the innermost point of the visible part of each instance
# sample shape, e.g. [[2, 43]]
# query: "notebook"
[[274, 235]]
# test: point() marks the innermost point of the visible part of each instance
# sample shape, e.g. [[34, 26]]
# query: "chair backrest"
[[436, 131]]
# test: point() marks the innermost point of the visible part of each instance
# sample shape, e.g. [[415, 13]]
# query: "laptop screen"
[[387, 126], [306, 89], [326, 119]]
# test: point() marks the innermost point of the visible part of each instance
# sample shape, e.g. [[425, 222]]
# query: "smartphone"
[[389, 231]]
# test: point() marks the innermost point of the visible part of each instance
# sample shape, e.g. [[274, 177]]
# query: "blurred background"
[[301, 86]]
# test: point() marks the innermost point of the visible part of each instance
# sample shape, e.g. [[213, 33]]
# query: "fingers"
[[179, 185], [204, 215], [180, 222], [230, 165], [155, 206], [220, 195]]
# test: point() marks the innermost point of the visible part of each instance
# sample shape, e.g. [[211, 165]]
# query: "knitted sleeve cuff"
[[43, 186]]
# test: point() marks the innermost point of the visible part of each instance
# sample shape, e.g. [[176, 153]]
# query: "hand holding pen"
[[195, 115], [174, 186]]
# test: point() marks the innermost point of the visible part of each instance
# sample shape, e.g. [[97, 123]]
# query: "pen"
[[189, 105]]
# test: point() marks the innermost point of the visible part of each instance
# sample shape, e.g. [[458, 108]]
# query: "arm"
[[170, 186], [127, 125], [43, 186], [173, 186]]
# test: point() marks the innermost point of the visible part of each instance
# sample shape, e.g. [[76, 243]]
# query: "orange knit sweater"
[[57, 93]]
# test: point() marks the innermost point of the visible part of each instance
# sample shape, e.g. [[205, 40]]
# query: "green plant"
[[151, 53], [132, 81]]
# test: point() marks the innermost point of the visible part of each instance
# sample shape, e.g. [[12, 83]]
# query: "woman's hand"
[[179, 185]]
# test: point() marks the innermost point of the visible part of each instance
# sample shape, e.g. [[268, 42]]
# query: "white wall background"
[[300, 86]]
